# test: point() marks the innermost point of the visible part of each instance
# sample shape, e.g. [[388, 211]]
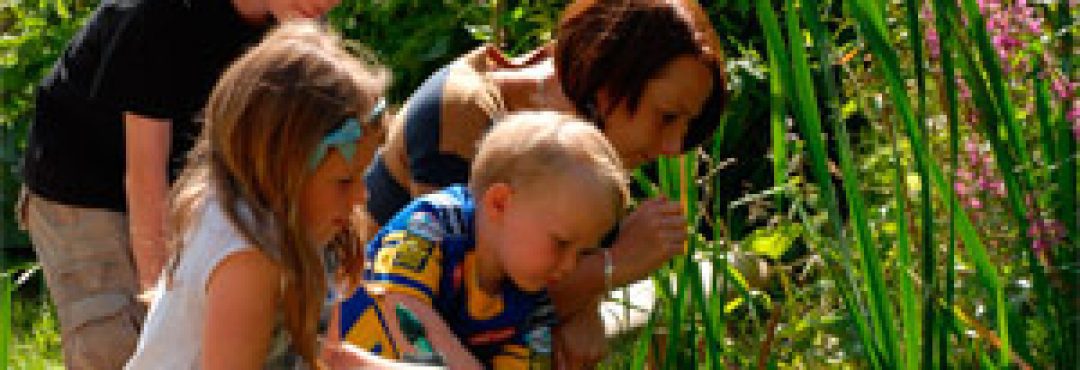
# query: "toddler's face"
[[547, 227], [334, 189]]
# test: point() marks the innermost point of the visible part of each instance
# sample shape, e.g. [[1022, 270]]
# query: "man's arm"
[[147, 142]]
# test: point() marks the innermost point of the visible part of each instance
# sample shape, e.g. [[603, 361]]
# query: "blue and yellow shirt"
[[427, 251]]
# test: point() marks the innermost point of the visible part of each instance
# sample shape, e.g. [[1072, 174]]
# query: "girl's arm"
[[340, 355], [344, 356], [242, 296], [456, 356]]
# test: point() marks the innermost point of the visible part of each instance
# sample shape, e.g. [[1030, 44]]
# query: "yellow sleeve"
[[512, 357], [370, 333], [407, 263]]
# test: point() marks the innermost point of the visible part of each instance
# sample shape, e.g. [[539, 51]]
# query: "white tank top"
[[172, 335]]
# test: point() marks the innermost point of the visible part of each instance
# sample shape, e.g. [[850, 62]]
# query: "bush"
[[35, 32]]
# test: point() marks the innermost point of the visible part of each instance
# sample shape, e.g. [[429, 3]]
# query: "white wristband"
[[609, 271]]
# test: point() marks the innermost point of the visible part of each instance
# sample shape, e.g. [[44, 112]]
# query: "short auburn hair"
[[619, 45]]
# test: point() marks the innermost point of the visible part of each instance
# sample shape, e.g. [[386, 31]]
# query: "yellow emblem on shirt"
[[407, 263], [406, 251]]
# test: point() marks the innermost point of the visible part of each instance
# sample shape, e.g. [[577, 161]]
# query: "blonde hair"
[[525, 148], [264, 118]]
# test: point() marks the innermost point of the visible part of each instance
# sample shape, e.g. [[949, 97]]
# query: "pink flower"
[[964, 174], [964, 91], [985, 5], [961, 189], [973, 157], [1034, 230], [974, 203], [1034, 25], [1039, 245], [933, 44], [1062, 87], [999, 188]]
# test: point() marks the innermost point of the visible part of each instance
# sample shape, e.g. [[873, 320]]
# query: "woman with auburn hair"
[[648, 73]]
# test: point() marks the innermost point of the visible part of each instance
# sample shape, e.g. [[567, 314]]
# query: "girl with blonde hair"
[[272, 181]]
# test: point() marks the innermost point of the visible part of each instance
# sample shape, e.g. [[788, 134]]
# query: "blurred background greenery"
[[893, 185]]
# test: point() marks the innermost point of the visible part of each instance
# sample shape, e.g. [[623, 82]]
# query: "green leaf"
[[773, 242]]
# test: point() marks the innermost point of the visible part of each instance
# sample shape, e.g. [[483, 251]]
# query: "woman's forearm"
[[581, 287], [587, 283]]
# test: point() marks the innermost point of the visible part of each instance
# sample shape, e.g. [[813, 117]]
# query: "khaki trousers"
[[90, 272]]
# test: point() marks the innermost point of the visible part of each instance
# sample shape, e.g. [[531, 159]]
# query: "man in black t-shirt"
[[113, 123]]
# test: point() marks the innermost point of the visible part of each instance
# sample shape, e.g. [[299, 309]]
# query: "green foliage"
[[36, 341], [831, 223], [774, 242], [34, 34], [414, 38], [29, 329]]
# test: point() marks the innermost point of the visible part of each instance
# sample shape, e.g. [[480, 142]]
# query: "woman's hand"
[[648, 237], [579, 342]]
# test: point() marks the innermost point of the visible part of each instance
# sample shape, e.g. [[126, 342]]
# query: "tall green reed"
[[934, 298]]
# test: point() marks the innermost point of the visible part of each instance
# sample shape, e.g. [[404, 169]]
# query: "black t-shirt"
[[155, 58]]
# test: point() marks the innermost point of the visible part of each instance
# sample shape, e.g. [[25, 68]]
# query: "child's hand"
[[339, 355], [344, 356], [648, 237]]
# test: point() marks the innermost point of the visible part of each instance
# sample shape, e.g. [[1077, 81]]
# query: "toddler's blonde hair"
[[527, 147]]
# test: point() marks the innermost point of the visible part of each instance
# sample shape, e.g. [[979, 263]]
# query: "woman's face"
[[289, 9], [668, 103]]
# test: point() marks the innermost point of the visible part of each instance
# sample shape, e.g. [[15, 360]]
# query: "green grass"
[[36, 340], [962, 304], [34, 329]]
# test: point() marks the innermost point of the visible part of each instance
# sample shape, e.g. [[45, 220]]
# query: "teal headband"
[[344, 138]]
